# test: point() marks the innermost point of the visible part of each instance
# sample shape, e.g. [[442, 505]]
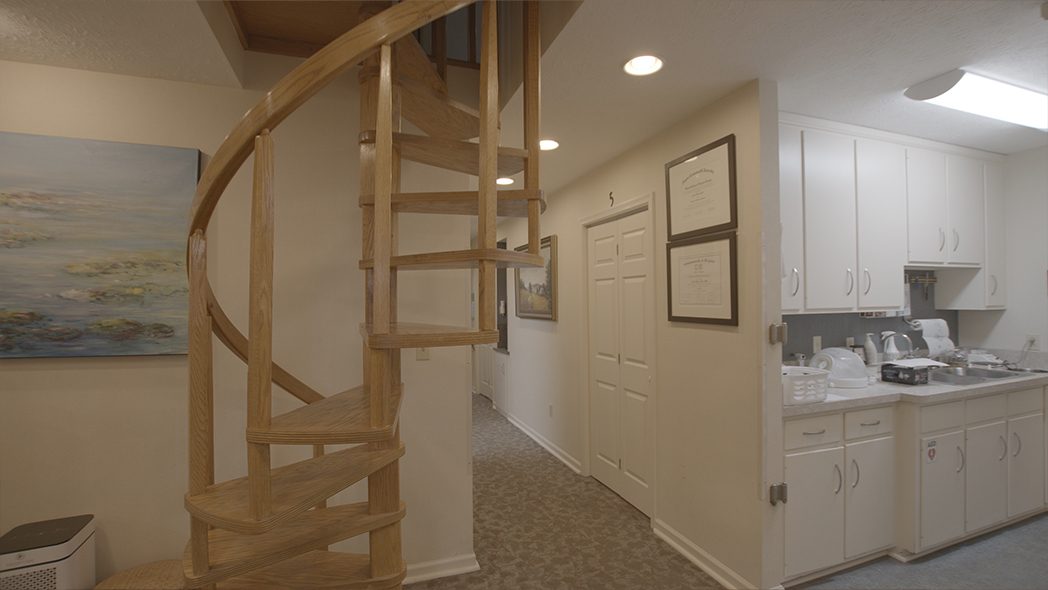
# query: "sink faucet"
[[892, 353]]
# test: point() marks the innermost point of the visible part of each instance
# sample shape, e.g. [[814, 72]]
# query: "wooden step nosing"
[[458, 259], [368, 199], [348, 435], [381, 459], [368, 523]]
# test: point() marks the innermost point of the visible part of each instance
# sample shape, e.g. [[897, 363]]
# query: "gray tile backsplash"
[[836, 327]]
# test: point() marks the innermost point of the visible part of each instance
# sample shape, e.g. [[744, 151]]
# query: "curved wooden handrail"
[[236, 342], [302, 83]]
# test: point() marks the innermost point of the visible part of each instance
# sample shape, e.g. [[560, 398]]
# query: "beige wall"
[[710, 379], [107, 435]]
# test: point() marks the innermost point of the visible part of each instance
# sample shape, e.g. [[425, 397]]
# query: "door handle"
[[856, 464], [994, 291], [840, 479], [1019, 444], [960, 453], [1004, 449], [796, 281], [874, 423], [869, 281], [851, 282], [942, 239], [956, 240]]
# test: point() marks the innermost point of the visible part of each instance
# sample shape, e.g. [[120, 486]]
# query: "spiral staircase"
[[272, 528]]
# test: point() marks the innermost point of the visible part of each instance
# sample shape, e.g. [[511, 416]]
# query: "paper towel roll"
[[934, 328], [938, 346]]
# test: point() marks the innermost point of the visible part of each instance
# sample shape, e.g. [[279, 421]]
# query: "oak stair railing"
[[272, 528]]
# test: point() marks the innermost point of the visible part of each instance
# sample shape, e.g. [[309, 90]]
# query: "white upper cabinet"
[[926, 206], [965, 189], [831, 280], [880, 199], [791, 214], [994, 269]]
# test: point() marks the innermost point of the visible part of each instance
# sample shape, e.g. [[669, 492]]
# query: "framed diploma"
[[700, 191], [703, 280]]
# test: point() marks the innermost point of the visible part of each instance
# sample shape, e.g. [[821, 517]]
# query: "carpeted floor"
[[1015, 558], [539, 526]]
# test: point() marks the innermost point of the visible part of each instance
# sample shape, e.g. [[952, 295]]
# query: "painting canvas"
[[537, 287], [92, 247]]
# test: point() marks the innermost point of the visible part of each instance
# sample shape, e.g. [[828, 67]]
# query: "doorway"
[[621, 352]]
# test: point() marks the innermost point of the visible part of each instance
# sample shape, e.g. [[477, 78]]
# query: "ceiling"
[[845, 60]]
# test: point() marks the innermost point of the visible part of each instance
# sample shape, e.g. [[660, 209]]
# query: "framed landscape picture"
[[92, 247], [537, 287]]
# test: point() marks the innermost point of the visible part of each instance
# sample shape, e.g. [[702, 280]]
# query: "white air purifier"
[[49, 555]]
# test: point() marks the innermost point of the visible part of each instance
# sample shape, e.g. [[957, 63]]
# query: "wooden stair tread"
[[295, 489], [511, 203], [233, 554], [158, 575], [343, 418], [436, 113], [414, 335], [414, 64], [451, 154], [317, 570], [461, 259]]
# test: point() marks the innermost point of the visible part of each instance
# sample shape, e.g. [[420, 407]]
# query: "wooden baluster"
[[472, 37], [201, 396], [260, 326], [532, 92], [384, 484], [489, 141]]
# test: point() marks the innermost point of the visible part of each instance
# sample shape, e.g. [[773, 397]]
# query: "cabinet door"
[[942, 488], [996, 263], [986, 484], [1025, 464], [926, 206], [880, 181], [869, 502], [815, 511], [829, 221], [791, 214], [966, 210]]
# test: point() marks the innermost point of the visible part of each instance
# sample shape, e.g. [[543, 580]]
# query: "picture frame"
[[701, 194], [536, 288], [703, 284]]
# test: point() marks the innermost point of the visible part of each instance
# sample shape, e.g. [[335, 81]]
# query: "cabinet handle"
[[856, 464], [1019, 444], [994, 290], [960, 453], [823, 431], [869, 281], [797, 281], [942, 239], [851, 282], [1004, 449], [840, 479], [874, 423], [956, 240]]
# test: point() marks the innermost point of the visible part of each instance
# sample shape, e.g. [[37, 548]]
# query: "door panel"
[[604, 381], [1025, 464], [870, 496], [926, 205], [815, 510], [831, 278], [986, 484], [486, 370], [942, 488], [965, 188], [791, 214], [880, 183]]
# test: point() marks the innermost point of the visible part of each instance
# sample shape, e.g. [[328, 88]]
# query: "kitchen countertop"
[[880, 393]]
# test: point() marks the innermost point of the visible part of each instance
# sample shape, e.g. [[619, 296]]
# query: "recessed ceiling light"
[[548, 144], [504, 181], [643, 65], [971, 93]]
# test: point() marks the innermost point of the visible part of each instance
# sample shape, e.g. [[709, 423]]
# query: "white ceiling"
[[155, 39], [844, 60]]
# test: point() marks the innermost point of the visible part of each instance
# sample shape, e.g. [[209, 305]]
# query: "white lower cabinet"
[[941, 488], [1025, 464], [815, 510], [986, 483], [869, 500]]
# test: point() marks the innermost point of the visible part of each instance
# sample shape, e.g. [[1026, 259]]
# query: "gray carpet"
[[1015, 558], [537, 525]]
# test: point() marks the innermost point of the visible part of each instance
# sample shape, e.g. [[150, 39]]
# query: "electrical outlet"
[[421, 354], [816, 344], [849, 341]]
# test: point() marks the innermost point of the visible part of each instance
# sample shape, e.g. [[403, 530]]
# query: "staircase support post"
[[487, 205], [532, 110], [201, 396]]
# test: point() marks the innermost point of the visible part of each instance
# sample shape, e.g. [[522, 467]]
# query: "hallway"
[[539, 526]]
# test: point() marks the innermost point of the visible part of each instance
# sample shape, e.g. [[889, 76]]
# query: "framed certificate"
[[703, 280], [700, 191]]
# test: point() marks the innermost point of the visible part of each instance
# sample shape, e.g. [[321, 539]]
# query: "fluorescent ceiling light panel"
[[971, 93]]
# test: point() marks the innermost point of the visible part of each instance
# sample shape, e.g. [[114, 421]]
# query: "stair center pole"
[[532, 113], [489, 143]]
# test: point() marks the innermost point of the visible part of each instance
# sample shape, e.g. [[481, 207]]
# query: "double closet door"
[[621, 294]]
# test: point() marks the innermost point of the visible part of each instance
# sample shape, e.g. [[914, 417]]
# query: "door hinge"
[[620, 463], [777, 493], [616, 249], [619, 355], [779, 333]]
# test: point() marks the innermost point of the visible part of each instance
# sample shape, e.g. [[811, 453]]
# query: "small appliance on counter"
[[803, 385], [892, 373], [846, 368], [54, 554]]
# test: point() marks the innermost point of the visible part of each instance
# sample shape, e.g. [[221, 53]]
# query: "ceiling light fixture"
[[548, 144], [504, 181], [643, 65], [971, 93]]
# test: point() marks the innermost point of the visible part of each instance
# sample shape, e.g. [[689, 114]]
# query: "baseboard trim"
[[442, 568], [724, 575], [565, 457]]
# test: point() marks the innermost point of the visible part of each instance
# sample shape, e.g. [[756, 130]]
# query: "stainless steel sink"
[[967, 375], [1023, 370]]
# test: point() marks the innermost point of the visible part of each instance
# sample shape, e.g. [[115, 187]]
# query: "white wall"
[[1026, 199], [108, 435], [709, 378]]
